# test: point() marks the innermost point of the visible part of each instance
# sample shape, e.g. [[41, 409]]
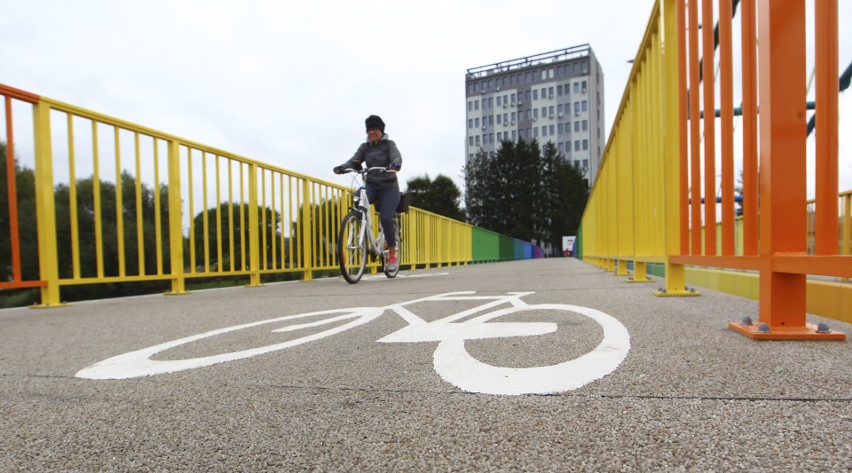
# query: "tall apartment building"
[[556, 97]]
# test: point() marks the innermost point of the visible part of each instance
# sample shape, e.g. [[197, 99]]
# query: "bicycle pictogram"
[[451, 360]]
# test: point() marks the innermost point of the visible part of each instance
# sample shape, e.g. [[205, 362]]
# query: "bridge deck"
[[689, 394]]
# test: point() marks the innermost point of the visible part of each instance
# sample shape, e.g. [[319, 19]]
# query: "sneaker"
[[392, 259]]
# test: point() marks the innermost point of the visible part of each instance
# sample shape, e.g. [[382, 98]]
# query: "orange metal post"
[[694, 145], [709, 129], [782, 170], [727, 125], [749, 86], [14, 233], [827, 85]]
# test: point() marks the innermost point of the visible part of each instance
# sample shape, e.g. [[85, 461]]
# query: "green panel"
[[507, 248], [485, 245]]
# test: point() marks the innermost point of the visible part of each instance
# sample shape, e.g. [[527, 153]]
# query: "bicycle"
[[355, 241]]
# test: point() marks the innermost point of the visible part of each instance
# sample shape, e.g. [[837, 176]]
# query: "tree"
[[440, 196], [526, 194]]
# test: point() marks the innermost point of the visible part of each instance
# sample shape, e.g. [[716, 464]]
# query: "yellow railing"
[[655, 196], [134, 204]]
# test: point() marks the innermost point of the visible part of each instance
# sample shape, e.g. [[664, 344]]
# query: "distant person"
[[382, 187]]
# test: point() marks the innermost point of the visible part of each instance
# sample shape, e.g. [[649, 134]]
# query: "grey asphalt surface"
[[691, 395]]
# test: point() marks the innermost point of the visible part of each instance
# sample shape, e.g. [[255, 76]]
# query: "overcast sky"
[[290, 83]]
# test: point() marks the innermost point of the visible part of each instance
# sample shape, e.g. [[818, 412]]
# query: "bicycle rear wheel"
[[352, 247], [388, 273]]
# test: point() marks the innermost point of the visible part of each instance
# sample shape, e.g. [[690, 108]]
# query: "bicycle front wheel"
[[352, 247]]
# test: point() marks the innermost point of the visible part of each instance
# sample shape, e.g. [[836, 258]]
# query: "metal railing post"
[[178, 275], [45, 207]]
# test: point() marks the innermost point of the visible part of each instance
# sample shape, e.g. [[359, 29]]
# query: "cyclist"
[[382, 188]]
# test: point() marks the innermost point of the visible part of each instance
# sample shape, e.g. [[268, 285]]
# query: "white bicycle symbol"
[[452, 361]]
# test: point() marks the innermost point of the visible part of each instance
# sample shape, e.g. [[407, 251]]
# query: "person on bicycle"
[[382, 187]]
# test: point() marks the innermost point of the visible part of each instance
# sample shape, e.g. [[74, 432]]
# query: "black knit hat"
[[375, 122]]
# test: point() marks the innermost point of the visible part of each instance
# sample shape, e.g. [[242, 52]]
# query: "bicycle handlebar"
[[365, 171]]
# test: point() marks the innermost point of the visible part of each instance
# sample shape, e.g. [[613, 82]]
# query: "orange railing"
[[654, 200], [17, 279]]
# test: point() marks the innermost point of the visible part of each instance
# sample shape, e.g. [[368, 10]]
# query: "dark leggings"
[[386, 200]]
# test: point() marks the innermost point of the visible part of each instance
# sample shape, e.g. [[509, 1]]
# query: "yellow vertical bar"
[[292, 232], [119, 206], [243, 264], [218, 216], [158, 239], [140, 232], [254, 256], [72, 201], [273, 245], [189, 179], [204, 213], [262, 210], [306, 231], [283, 241], [231, 214], [45, 207], [675, 147], [175, 224], [96, 201]]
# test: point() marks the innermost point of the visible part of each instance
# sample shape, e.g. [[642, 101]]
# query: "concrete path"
[[638, 383]]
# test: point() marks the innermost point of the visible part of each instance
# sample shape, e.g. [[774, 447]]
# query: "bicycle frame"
[[362, 204]]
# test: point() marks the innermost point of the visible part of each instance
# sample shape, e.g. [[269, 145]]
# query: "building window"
[[577, 145], [476, 123], [470, 123], [498, 119], [470, 140], [513, 116], [561, 129], [576, 127], [559, 90], [576, 87], [552, 128], [585, 164], [561, 147], [499, 136], [535, 114], [550, 110], [576, 107], [477, 140], [584, 86], [476, 105], [550, 91], [528, 96], [470, 106], [514, 135], [535, 94], [585, 125], [535, 131], [585, 145]]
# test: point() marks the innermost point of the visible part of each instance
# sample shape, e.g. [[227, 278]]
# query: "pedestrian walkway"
[[400, 375]]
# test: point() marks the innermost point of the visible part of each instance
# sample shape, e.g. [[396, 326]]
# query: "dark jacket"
[[379, 154]]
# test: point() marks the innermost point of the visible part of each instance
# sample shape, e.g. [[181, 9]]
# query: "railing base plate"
[[808, 332]]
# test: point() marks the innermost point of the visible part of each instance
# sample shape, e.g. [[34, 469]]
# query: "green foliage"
[[440, 196], [526, 194]]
